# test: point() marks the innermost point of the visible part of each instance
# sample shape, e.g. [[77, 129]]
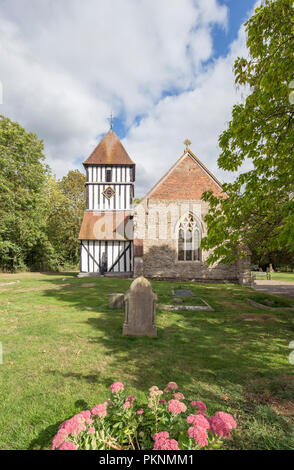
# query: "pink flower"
[[179, 396], [172, 386], [199, 434], [116, 387], [87, 416], [140, 411], [166, 444], [219, 427], [162, 401], [198, 420], [126, 405], [67, 446], [227, 418], [158, 435], [199, 404], [74, 425], [131, 398], [59, 439], [155, 393], [176, 406], [99, 410], [91, 430]]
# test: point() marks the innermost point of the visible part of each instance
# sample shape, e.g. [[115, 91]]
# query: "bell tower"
[[107, 229]]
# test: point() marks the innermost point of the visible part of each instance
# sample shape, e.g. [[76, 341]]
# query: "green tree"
[[22, 178], [258, 207], [65, 202]]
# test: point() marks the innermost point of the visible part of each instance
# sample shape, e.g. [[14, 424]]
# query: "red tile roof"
[[109, 151], [109, 225]]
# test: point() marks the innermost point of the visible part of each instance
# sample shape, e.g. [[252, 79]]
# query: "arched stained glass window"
[[189, 238]]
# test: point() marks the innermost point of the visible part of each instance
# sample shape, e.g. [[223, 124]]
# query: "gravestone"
[[140, 306], [116, 300]]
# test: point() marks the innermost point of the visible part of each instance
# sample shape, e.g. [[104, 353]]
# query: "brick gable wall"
[[186, 181]]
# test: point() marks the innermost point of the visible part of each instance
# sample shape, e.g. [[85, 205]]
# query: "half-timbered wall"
[[112, 256], [121, 182]]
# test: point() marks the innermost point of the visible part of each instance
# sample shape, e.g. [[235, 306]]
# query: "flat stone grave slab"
[[185, 299], [8, 283], [184, 293], [201, 305]]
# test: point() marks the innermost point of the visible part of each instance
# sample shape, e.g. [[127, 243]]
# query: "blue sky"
[[237, 15], [222, 39], [163, 67]]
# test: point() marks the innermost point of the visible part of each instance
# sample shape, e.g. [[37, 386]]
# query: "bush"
[[166, 423], [10, 257]]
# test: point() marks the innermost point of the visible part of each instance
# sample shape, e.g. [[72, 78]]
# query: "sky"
[[163, 67]]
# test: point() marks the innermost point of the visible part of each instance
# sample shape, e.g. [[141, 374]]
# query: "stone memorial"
[[184, 292], [140, 307], [116, 300]]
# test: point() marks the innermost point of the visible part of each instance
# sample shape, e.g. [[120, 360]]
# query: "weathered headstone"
[[140, 308], [116, 300]]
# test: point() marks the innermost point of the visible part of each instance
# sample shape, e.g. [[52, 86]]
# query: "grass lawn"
[[284, 277], [287, 277], [63, 347]]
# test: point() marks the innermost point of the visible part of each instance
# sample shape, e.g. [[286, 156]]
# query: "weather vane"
[[187, 142], [111, 120]]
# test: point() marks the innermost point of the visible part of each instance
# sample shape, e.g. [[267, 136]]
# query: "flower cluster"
[[163, 442], [99, 410], [116, 387], [71, 427], [219, 425], [153, 399], [166, 423], [176, 406]]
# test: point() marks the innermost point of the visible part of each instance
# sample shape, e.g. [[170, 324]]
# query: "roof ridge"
[[109, 151]]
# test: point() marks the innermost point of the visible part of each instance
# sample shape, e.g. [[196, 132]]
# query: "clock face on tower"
[[108, 192]]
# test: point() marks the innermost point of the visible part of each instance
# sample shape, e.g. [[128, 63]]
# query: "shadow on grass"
[[188, 344], [207, 353]]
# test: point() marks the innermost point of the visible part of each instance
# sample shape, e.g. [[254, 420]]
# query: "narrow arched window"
[[189, 237]]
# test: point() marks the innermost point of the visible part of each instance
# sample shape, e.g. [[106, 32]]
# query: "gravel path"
[[285, 289]]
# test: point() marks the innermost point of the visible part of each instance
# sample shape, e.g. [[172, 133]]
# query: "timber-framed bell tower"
[[106, 233]]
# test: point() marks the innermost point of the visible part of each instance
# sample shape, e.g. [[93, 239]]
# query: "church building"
[[160, 237]]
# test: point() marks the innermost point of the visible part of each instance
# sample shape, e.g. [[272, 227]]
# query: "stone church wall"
[[156, 244]]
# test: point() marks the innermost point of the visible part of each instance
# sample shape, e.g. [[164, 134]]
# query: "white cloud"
[[65, 64], [199, 114]]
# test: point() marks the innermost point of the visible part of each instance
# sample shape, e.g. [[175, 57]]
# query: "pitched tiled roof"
[[109, 225], [109, 151], [188, 178]]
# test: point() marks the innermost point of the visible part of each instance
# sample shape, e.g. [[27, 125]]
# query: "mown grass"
[[284, 277], [63, 347], [271, 300]]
